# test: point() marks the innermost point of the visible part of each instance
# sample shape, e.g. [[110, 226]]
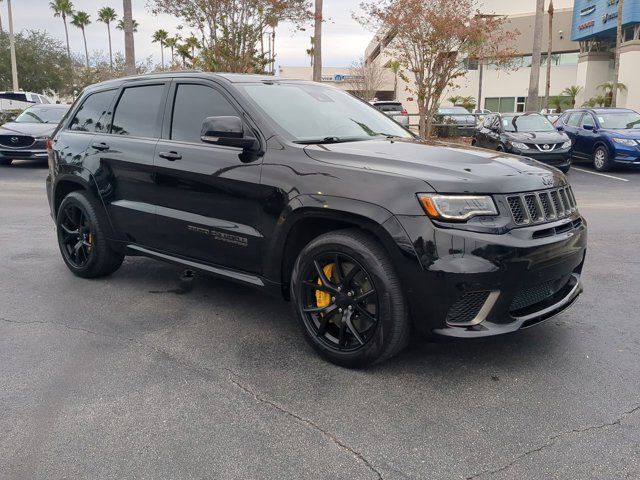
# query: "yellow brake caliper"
[[323, 299]]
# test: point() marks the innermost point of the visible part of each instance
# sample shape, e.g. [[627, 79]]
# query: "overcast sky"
[[344, 40]]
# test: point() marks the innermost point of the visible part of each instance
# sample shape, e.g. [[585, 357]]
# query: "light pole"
[[12, 43]]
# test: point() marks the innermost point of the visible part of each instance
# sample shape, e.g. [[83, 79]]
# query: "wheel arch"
[[64, 186], [306, 220]]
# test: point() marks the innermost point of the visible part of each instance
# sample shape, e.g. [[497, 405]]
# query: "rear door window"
[[587, 119], [137, 111], [193, 103], [92, 114]]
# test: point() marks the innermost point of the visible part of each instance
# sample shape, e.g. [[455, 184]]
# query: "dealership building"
[[583, 37]]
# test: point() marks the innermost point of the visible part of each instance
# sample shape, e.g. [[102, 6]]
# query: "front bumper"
[[508, 281], [627, 155], [556, 158], [24, 154]]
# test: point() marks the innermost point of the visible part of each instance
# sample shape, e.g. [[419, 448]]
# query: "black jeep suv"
[[305, 191]]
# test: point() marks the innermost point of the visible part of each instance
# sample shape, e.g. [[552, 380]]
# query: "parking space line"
[[600, 174]]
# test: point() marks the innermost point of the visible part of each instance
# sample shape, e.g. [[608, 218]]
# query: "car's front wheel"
[[601, 160], [81, 226], [348, 299]]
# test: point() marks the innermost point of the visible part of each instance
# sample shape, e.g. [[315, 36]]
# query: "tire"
[[5, 162], [474, 143], [601, 160], [81, 225], [500, 148], [380, 322]]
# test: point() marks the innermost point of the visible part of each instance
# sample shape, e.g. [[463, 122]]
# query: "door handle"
[[171, 156], [101, 146]]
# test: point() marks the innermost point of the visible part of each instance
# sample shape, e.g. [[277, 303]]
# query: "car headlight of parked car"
[[626, 141], [41, 139], [457, 207], [566, 144], [519, 146]]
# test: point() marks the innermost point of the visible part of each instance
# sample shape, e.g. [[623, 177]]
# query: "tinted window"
[[92, 114], [527, 123], [194, 103], [137, 111], [588, 120], [390, 107], [574, 119]]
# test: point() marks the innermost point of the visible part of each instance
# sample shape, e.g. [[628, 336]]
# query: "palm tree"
[[394, 65], [107, 15], [192, 43], [616, 74], [129, 28], [310, 50], [558, 102], [317, 46], [533, 98], [172, 43], [455, 99], [609, 90], [547, 91], [183, 52], [572, 92], [160, 36], [63, 8], [81, 20], [120, 25], [468, 102]]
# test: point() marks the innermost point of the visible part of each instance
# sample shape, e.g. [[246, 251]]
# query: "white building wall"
[[629, 69]]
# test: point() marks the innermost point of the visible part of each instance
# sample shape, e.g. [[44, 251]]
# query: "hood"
[[33, 129], [537, 137], [632, 133], [446, 168]]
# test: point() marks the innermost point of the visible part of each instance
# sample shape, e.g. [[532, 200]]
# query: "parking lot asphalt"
[[128, 377]]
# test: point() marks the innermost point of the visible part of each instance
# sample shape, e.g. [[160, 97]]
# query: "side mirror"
[[588, 127], [560, 128], [226, 131]]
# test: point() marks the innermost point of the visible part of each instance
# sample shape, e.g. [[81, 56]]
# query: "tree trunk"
[[533, 98], [273, 51], [317, 46], [395, 86], [1, 30], [480, 81], [616, 74], [129, 48], [12, 47], [86, 50], [110, 49], [66, 34], [547, 90], [162, 54]]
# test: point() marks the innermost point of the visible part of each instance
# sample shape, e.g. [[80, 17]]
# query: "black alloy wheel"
[[81, 225], [348, 299], [77, 237], [340, 301]]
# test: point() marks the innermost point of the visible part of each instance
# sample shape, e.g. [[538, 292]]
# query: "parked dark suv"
[[303, 190]]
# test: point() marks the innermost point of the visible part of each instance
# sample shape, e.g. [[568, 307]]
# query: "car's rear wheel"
[[5, 161], [601, 160], [81, 226], [348, 300]]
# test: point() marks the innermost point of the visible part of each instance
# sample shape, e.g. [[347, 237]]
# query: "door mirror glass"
[[560, 128], [587, 127], [226, 131]]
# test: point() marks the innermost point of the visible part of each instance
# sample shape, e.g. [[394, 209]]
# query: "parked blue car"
[[603, 136]]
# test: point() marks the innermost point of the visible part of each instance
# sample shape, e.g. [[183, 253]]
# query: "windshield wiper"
[[326, 140]]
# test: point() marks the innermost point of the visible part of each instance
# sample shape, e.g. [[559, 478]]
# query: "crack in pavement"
[[331, 437], [312, 424], [552, 440]]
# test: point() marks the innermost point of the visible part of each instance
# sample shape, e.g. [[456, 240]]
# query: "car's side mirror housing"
[[560, 128], [588, 127], [227, 131]]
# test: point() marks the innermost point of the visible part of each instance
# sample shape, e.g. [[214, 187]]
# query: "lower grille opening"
[[530, 296], [466, 308]]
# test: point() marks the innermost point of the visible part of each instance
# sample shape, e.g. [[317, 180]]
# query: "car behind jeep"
[[304, 191]]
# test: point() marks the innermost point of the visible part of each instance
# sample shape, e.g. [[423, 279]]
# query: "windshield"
[[41, 115], [314, 113], [453, 110], [527, 123], [619, 121]]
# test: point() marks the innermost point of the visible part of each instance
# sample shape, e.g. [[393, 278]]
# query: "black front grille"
[[543, 206], [467, 307], [16, 141], [536, 294]]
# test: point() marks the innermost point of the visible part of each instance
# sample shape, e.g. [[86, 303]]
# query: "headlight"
[[626, 141], [519, 146], [566, 144], [41, 139], [457, 207]]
